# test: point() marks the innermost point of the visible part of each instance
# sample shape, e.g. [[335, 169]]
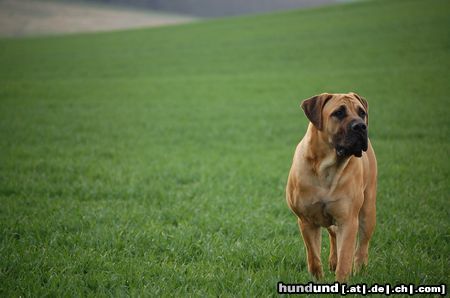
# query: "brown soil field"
[[35, 17]]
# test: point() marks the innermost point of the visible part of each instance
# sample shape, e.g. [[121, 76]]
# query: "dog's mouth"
[[352, 145]]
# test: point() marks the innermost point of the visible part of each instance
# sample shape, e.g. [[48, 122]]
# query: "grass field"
[[153, 162]]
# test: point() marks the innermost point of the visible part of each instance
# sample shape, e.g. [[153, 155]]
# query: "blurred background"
[[219, 8], [31, 17]]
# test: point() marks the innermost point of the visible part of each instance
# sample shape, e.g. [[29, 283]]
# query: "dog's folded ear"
[[313, 108], [363, 101]]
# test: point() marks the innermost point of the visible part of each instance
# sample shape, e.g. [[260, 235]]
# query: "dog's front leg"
[[312, 238], [346, 238]]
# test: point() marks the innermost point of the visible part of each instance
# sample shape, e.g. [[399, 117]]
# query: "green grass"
[[153, 162]]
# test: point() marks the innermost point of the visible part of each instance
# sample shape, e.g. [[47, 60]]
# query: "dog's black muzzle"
[[355, 141]]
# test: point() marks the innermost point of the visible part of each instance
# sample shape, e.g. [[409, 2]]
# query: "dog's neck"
[[323, 160]]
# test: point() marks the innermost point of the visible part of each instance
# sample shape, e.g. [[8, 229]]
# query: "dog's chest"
[[317, 211], [319, 204]]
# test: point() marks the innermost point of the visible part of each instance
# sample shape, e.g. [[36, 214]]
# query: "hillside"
[[44, 17]]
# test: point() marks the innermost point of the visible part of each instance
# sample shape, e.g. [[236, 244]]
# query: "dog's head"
[[342, 119]]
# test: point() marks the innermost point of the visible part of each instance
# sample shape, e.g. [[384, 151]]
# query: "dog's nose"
[[358, 126]]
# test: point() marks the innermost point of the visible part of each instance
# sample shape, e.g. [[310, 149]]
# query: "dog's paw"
[[360, 263], [316, 272]]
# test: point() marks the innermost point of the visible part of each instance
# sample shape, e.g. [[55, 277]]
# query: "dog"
[[332, 182]]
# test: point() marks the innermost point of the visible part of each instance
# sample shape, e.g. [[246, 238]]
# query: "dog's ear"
[[313, 108], [363, 101]]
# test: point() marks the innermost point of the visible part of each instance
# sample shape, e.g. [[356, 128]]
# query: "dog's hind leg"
[[367, 220]]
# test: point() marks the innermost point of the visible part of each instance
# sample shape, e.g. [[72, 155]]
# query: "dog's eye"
[[339, 114], [362, 114]]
